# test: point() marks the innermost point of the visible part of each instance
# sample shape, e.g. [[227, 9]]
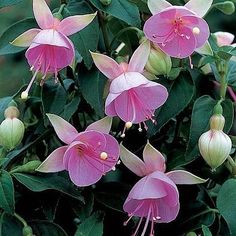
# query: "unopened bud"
[[27, 231], [105, 2], [11, 112], [217, 122], [11, 133], [158, 62], [227, 7]]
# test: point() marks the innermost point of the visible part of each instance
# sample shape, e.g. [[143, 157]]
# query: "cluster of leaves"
[[50, 203]]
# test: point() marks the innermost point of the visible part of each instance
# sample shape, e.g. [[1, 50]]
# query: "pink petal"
[[64, 130], [139, 58], [110, 105], [54, 161], [224, 38], [103, 125], [42, 14], [132, 162], [73, 24], [109, 67], [127, 81], [153, 159], [180, 47], [25, 39], [155, 6], [200, 7], [184, 177], [191, 22]]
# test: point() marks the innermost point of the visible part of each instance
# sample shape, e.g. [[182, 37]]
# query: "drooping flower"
[[132, 97], [87, 156], [155, 196], [50, 50], [178, 30]]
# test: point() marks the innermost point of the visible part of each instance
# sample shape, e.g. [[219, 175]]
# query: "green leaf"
[[122, 9], [182, 89], [41, 227], [206, 231], [92, 86], [201, 114], [38, 183], [92, 226], [3, 106], [12, 32], [227, 205], [87, 39], [7, 201], [6, 3], [10, 226]]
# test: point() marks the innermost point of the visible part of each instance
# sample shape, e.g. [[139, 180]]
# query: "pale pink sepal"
[[54, 162], [155, 6], [205, 49], [200, 7], [224, 38], [109, 67], [64, 130], [103, 125], [73, 24], [132, 162], [184, 177], [42, 14], [139, 57], [153, 159], [25, 39]]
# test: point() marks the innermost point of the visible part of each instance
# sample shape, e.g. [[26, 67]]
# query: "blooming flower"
[[155, 196], [50, 50], [178, 30], [87, 156], [132, 97]]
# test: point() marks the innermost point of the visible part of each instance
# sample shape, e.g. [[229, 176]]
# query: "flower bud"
[[27, 231], [105, 2], [227, 7], [215, 145], [158, 62], [11, 133]]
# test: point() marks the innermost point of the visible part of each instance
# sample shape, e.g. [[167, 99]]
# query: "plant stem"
[[61, 7], [21, 219], [222, 70], [104, 32]]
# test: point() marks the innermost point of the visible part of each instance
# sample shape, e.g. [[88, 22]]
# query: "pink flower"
[[178, 30], [50, 50], [155, 196], [87, 156], [132, 97], [224, 38]]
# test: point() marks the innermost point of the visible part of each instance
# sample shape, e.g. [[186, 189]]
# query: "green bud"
[[105, 2], [11, 133], [27, 231], [158, 62], [191, 234], [215, 145], [29, 167], [226, 7]]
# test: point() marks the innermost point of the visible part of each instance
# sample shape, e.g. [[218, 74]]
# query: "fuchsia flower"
[[50, 50], [154, 197], [178, 30], [132, 97], [87, 156], [224, 39]]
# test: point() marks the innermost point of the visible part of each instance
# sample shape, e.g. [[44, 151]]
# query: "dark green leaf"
[[122, 9], [202, 111], [92, 86], [38, 183], [6, 3], [180, 95], [227, 205], [46, 228], [3, 106], [10, 226], [92, 226], [7, 201], [13, 32]]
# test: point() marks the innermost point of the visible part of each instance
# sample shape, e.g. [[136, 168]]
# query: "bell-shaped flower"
[[155, 196], [132, 97], [178, 30], [87, 156], [50, 50]]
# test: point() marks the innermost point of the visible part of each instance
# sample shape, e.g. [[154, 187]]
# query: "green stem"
[[104, 32], [222, 70], [62, 7], [21, 219]]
